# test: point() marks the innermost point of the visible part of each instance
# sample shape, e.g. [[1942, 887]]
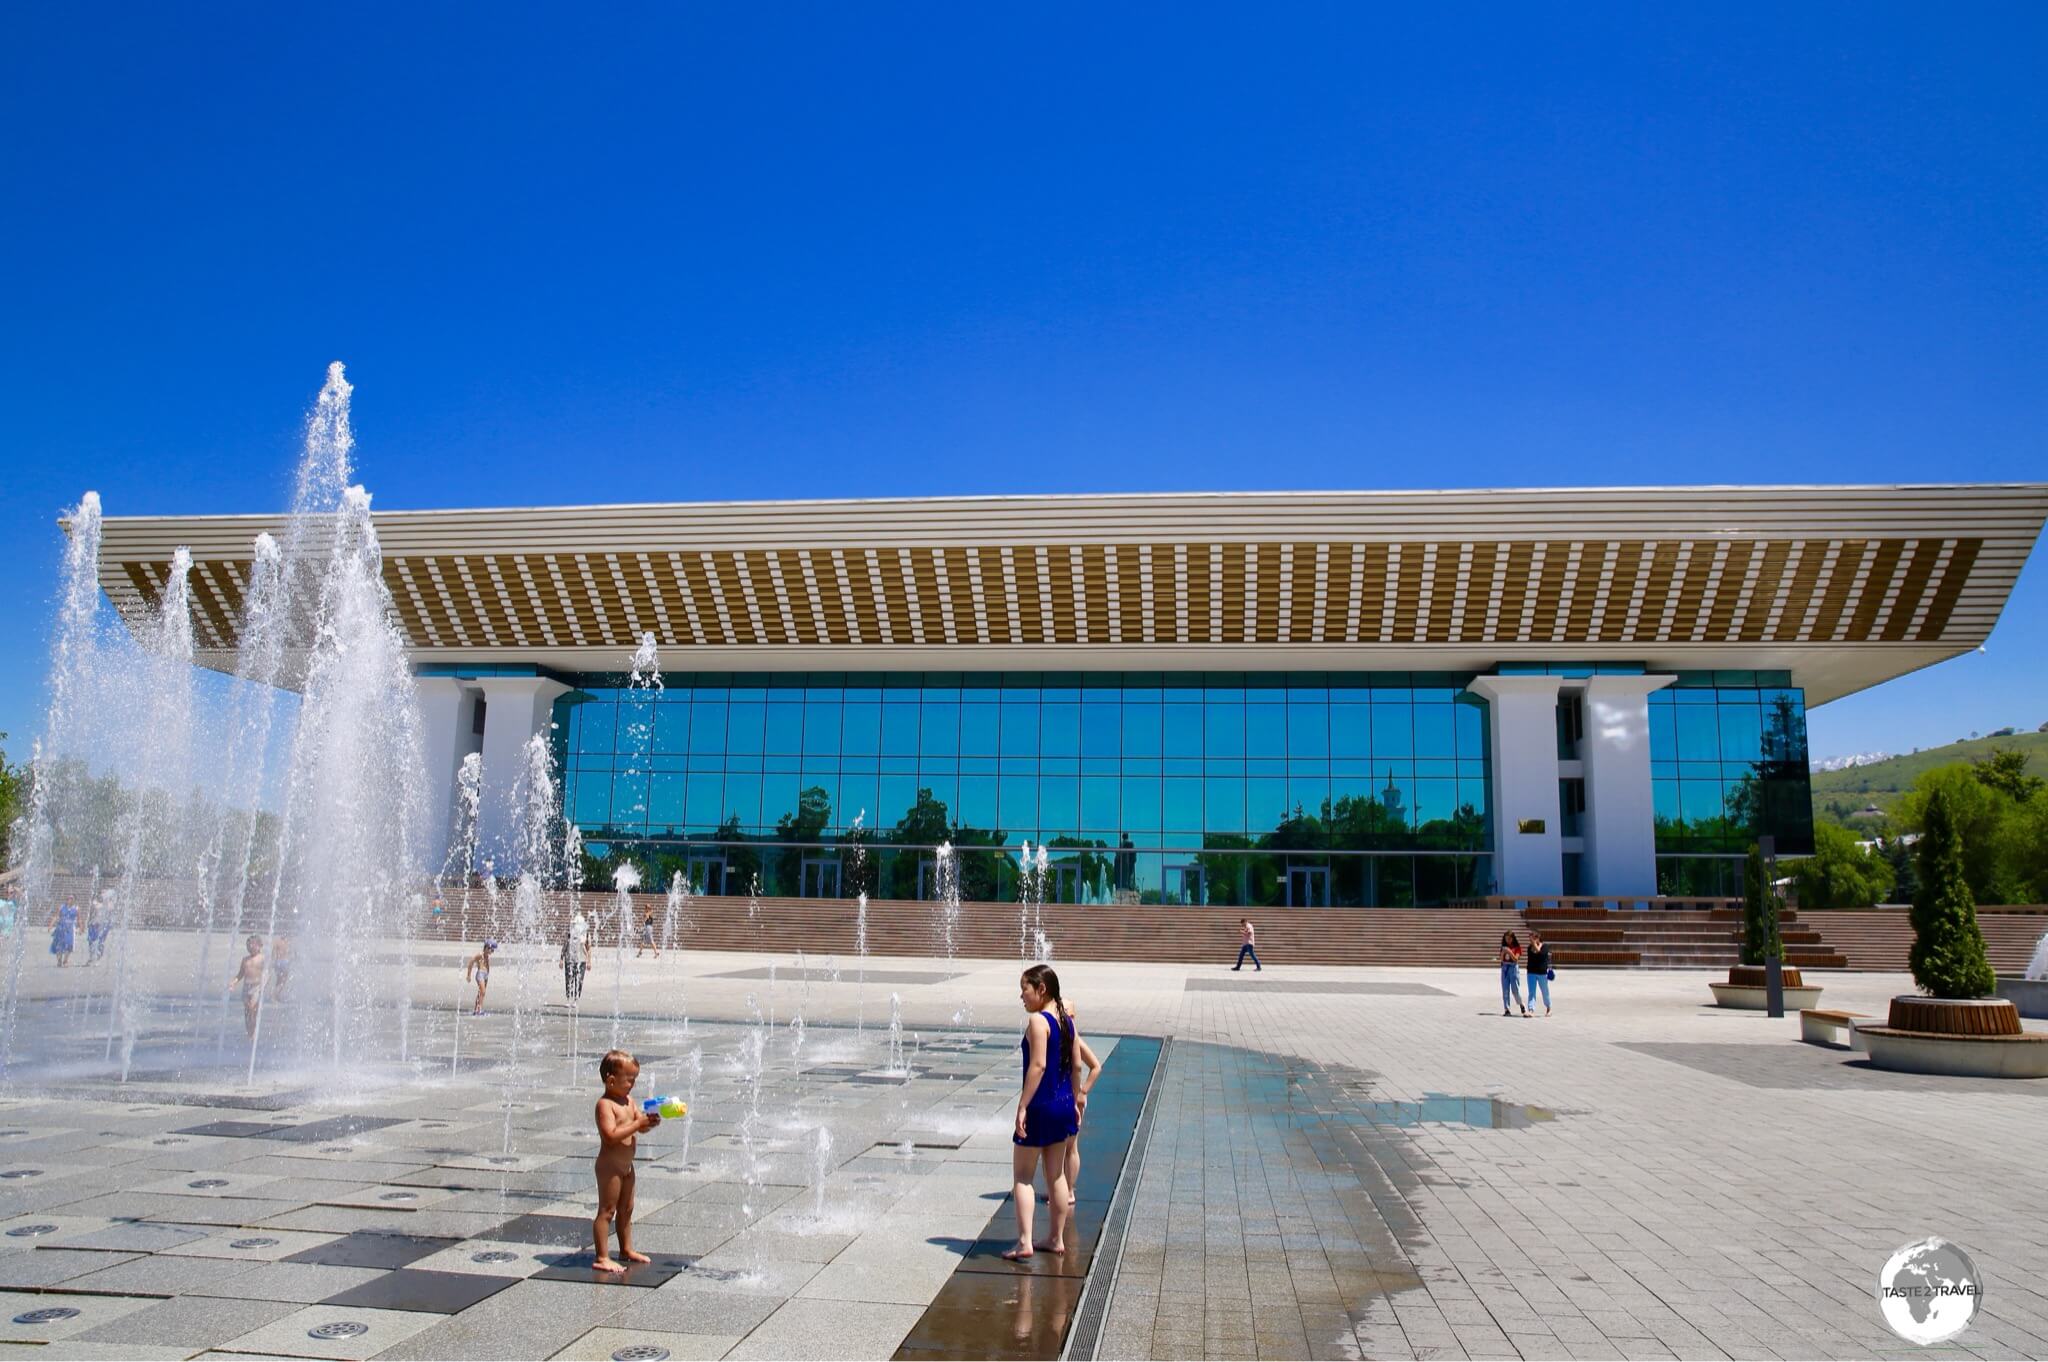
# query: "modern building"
[[1360, 698]]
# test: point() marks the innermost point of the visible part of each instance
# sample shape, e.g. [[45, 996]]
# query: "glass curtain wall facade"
[[1307, 789], [1310, 789]]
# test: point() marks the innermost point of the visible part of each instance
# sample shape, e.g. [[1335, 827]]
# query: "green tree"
[[1979, 814], [2004, 769], [1840, 874], [1759, 910], [1948, 947], [13, 800]]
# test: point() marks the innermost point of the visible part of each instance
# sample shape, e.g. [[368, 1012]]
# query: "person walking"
[[1539, 970], [1510, 973], [575, 958], [1244, 926]]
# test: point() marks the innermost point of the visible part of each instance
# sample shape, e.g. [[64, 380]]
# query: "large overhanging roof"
[[1843, 586]]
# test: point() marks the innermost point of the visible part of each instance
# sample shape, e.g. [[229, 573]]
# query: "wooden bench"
[[1824, 1026]]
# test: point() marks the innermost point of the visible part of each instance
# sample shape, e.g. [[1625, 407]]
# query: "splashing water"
[[896, 1066], [2037, 968]]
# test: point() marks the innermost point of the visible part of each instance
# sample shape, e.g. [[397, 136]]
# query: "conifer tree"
[[1948, 947]]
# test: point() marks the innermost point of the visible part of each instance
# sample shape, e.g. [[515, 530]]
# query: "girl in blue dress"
[[1046, 1117], [63, 933]]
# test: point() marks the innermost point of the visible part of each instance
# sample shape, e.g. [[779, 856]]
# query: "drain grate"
[[494, 1256], [399, 1196], [21, 1173], [170, 1139], [341, 1328], [255, 1243], [204, 1183], [641, 1352], [48, 1315], [30, 1231]]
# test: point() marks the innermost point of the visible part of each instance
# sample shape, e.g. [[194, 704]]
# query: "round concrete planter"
[[1965, 1037], [1756, 998]]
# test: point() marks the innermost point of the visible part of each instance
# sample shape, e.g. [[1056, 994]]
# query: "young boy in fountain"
[[479, 969], [619, 1123], [250, 978]]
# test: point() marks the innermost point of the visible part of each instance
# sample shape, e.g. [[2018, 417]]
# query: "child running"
[[619, 1124], [479, 968], [1046, 1115], [646, 940], [250, 979]]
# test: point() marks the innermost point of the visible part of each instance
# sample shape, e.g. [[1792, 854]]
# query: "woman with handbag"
[[1540, 972], [1510, 973]]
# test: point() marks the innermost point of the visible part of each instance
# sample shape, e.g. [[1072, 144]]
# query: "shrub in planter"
[[1948, 947], [1759, 910]]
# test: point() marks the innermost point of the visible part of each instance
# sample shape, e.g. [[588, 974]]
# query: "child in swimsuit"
[[479, 969], [619, 1123], [249, 978], [1046, 1116], [647, 937]]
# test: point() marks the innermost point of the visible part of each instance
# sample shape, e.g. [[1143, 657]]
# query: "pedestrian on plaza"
[[1082, 1082], [1244, 926], [1510, 973], [575, 958], [1046, 1117], [646, 940], [1540, 973], [63, 927]]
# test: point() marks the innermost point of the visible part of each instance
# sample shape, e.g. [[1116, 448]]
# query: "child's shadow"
[[960, 1248]]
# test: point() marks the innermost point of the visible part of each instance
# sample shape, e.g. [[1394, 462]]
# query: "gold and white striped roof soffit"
[[1844, 585]]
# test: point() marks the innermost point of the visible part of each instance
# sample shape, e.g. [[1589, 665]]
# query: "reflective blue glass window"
[[1223, 730], [1183, 730], [821, 728], [1141, 730], [672, 729], [1019, 807], [1265, 730], [1393, 730], [1020, 730], [1059, 804], [743, 799], [861, 733], [1183, 805], [939, 732], [745, 730], [899, 730], [1099, 804], [1699, 732], [785, 730], [1308, 730], [595, 726], [1142, 803], [1350, 731], [978, 729]]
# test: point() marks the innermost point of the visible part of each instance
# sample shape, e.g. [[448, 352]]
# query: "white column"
[[515, 708], [1522, 723], [441, 712], [1620, 859]]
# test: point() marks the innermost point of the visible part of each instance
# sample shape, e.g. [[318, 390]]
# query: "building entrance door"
[[1064, 884], [1308, 886], [1186, 884], [820, 879], [705, 874]]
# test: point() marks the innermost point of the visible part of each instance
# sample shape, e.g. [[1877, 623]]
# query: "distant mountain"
[[1839, 793], [1844, 763]]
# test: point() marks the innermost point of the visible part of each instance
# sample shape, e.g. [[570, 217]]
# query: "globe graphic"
[[1929, 1291]]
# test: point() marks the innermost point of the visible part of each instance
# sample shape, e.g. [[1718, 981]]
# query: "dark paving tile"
[[440, 1293], [334, 1128], [577, 1268], [560, 1230], [233, 1130], [369, 1249]]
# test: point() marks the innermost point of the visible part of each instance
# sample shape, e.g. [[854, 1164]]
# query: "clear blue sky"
[[656, 252]]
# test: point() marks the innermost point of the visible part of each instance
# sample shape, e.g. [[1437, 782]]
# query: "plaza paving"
[[1333, 1163]]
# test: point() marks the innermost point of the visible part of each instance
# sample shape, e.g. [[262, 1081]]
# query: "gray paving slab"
[[370, 1332], [189, 1323], [300, 1283]]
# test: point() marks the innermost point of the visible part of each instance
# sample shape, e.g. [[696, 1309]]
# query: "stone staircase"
[[1882, 938], [1462, 938], [1668, 938]]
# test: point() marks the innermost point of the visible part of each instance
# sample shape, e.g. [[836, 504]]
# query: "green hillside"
[[1839, 793]]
